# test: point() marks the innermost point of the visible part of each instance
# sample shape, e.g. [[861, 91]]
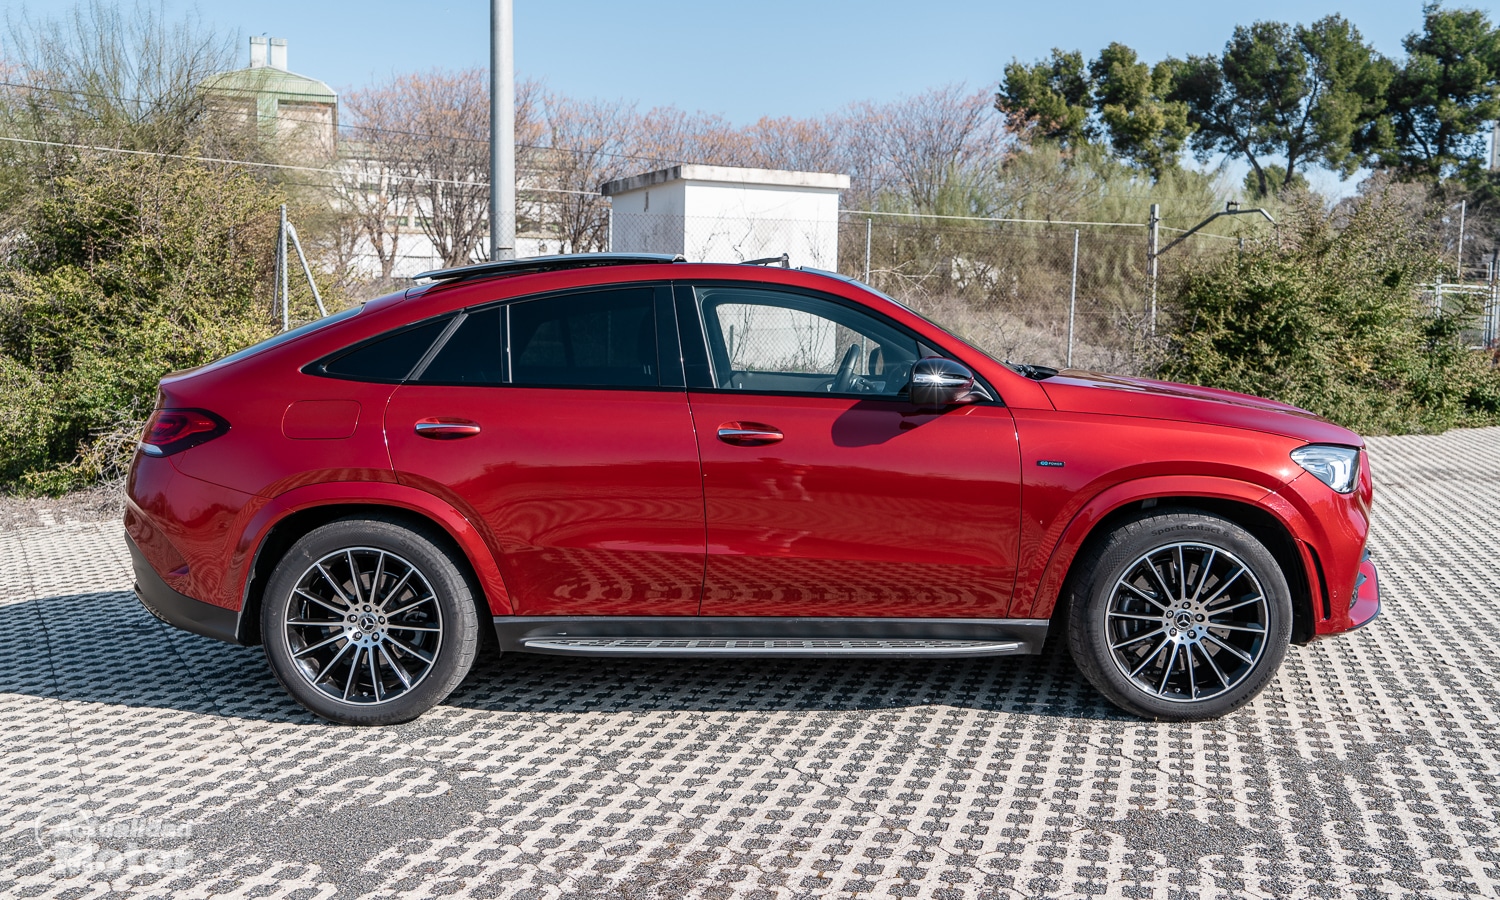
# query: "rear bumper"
[[180, 610]]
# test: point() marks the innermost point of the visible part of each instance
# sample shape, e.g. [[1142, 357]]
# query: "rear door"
[[574, 452]]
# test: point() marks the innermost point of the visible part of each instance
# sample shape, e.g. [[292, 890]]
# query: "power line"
[[576, 151], [655, 160], [419, 178], [282, 166]]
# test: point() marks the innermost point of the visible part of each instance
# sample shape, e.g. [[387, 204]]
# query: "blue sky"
[[767, 58], [747, 60]]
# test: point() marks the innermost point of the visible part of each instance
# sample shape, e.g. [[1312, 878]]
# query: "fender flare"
[[470, 541], [1111, 499]]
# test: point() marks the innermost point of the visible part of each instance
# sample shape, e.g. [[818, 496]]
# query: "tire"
[[1213, 650], [359, 657]]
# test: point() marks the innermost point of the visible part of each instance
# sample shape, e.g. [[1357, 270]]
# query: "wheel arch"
[[1268, 517], [283, 524]]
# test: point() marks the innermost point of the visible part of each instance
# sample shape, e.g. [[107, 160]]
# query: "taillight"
[[171, 431]]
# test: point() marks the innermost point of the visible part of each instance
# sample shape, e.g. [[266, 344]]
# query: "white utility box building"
[[728, 214]]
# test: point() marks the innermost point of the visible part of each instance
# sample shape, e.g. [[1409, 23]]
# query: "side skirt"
[[694, 636]]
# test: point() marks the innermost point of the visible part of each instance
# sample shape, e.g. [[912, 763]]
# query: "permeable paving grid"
[[143, 761]]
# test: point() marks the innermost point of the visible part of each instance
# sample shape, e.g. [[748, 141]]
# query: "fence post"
[[282, 273], [609, 229], [1492, 314], [869, 227], [1153, 240], [1463, 208], [1073, 298]]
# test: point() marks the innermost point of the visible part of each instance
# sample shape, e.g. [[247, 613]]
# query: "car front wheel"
[[1179, 615], [369, 622]]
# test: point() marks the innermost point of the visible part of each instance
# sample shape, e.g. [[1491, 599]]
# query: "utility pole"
[[502, 132]]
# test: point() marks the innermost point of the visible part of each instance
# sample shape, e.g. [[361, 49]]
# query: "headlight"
[[1335, 466]]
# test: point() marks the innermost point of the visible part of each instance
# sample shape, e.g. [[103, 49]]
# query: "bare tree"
[[441, 139], [122, 76], [370, 190], [586, 143], [921, 146], [804, 145], [667, 135], [424, 140]]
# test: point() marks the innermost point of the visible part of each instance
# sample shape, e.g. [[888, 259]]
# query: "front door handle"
[[446, 429], [748, 434]]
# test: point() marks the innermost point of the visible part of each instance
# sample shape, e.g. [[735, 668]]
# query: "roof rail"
[[546, 264]]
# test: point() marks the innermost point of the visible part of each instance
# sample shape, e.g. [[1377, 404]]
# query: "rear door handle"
[[445, 429], [748, 434]]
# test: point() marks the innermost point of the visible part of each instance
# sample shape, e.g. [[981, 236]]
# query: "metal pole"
[[1073, 298], [1463, 207], [869, 227], [291, 231], [276, 276], [282, 267], [609, 228], [502, 132], [1153, 238]]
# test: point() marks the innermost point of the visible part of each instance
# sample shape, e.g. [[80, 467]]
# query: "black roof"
[[546, 264]]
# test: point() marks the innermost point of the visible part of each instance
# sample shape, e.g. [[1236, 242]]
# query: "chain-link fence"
[[1478, 304], [1049, 293], [1030, 292]]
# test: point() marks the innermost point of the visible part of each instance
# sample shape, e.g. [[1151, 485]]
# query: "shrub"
[[126, 268], [1329, 318]]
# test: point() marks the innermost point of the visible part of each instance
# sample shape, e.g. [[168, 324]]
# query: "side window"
[[389, 358], [603, 338], [773, 341], [473, 354]]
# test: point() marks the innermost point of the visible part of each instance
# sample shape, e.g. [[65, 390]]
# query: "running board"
[[692, 636], [767, 647]]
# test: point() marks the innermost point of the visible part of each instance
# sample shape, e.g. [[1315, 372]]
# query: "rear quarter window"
[[388, 358]]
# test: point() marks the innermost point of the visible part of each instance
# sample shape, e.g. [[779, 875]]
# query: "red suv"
[[627, 455]]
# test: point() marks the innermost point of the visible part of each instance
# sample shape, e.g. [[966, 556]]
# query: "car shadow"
[[104, 648]]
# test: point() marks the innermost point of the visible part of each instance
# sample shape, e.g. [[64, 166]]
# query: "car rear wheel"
[[369, 622], [1179, 615]]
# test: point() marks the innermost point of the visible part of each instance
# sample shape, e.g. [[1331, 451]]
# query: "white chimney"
[[257, 51], [278, 53]]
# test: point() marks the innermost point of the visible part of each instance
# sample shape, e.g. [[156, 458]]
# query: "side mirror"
[[940, 382]]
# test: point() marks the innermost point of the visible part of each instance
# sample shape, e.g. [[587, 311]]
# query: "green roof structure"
[[274, 92]]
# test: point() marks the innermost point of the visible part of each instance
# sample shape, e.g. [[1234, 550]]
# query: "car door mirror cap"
[[940, 382]]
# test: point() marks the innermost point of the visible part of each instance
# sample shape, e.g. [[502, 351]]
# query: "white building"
[[727, 214]]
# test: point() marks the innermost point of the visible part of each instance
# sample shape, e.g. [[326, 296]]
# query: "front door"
[[827, 492], [580, 466]]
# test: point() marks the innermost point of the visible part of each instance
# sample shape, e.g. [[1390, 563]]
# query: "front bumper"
[[1366, 605], [180, 610]]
